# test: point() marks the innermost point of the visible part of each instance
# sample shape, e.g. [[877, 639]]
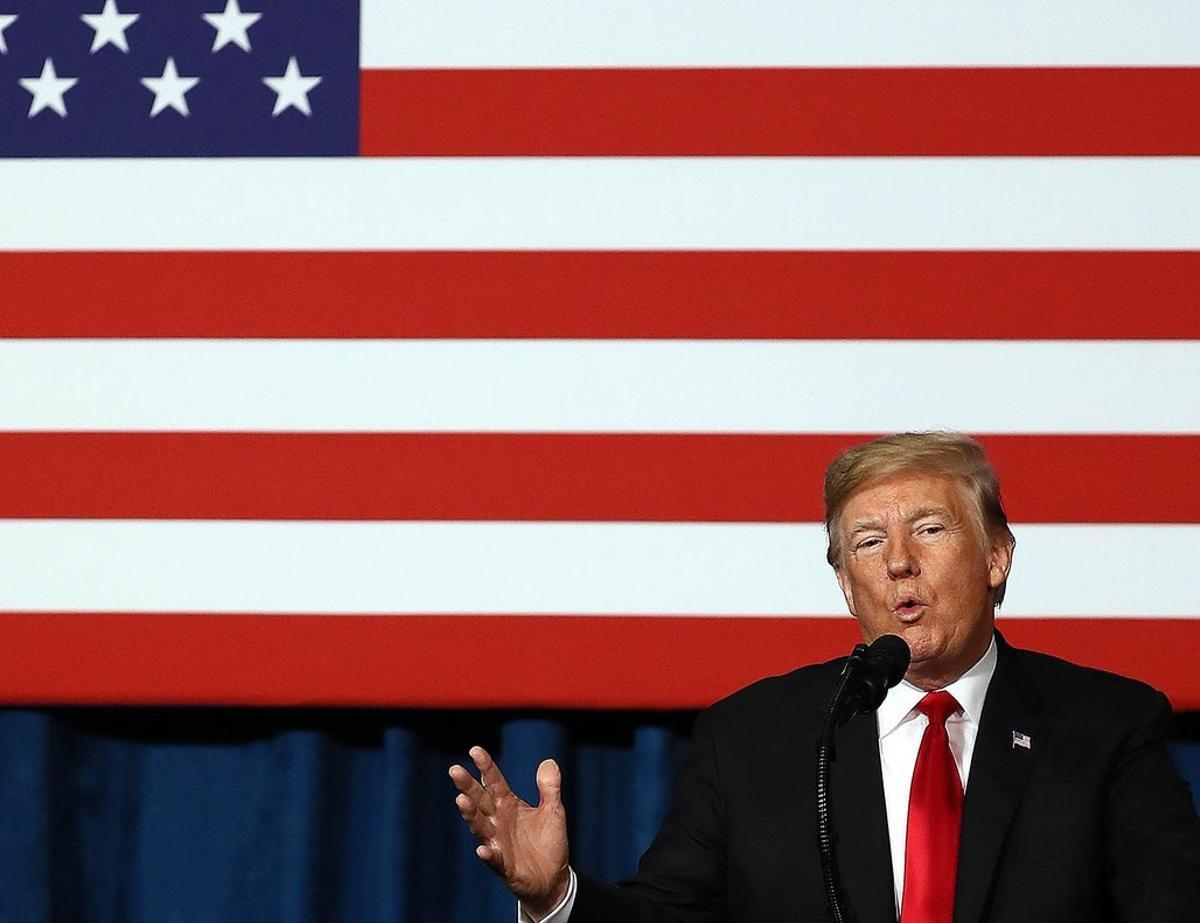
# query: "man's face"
[[914, 565]]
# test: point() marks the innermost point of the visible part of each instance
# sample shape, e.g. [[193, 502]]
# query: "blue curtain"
[[188, 815]]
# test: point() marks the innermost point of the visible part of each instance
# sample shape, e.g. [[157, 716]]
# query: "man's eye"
[[867, 543], [931, 530]]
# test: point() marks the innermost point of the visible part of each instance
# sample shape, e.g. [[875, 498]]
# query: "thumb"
[[549, 784]]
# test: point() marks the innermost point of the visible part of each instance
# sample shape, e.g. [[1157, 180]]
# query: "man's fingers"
[[549, 784], [493, 778], [491, 857], [469, 786], [479, 823], [466, 807]]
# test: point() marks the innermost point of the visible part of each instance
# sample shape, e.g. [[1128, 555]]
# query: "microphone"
[[877, 670], [867, 676]]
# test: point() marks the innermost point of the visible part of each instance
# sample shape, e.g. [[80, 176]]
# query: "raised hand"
[[524, 845]]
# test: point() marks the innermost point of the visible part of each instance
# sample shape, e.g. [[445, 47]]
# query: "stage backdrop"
[[490, 353]]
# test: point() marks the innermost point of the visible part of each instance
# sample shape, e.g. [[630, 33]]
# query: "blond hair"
[[951, 455]]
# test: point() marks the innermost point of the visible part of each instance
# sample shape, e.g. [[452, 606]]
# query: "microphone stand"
[[826, 754]]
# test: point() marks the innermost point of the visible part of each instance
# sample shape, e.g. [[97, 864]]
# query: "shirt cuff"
[[559, 914]]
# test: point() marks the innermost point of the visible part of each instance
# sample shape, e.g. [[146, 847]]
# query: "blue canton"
[[185, 78]]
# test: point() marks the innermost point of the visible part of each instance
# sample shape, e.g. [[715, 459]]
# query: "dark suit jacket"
[[1091, 823]]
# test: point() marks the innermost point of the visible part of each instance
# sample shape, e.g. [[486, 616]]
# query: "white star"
[[48, 90], [292, 88], [110, 25], [231, 26], [6, 20], [169, 89]]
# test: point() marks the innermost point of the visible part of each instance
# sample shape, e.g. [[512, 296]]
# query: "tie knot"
[[937, 707]]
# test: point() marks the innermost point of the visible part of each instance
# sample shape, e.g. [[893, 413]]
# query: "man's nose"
[[901, 559]]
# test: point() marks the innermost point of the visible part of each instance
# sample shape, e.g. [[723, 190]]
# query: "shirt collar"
[[969, 690]]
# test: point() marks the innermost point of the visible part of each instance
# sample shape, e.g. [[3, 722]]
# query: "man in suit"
[[993, 784]]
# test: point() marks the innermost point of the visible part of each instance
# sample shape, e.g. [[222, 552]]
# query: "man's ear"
[[999, 560], [844, 582]]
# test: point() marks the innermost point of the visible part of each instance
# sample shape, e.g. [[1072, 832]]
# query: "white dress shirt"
[[901, 728], [560, 913]]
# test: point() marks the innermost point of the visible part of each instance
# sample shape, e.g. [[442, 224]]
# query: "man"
[[993, 784]]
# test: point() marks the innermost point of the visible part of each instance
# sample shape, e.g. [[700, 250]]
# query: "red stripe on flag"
[[736, 295], [531, 476], [419, 661], [781, 111]]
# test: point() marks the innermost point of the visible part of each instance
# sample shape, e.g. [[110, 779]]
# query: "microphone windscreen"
[[892, 654]]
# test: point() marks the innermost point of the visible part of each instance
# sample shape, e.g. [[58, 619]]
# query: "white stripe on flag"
[[618, 568], [638, 203], [600, 386], [763, 33]]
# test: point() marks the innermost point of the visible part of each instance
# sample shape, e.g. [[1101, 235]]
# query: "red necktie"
[[934, 819]]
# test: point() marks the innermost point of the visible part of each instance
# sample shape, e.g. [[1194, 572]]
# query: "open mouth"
[[909, 607]]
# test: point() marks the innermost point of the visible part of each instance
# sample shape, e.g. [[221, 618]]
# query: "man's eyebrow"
[[874, 525], [923, 511]]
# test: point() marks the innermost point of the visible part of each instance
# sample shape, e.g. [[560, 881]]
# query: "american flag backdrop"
[[490, 353]]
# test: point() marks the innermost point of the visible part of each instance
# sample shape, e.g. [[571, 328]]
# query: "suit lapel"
[[861, 822], [999, 773]]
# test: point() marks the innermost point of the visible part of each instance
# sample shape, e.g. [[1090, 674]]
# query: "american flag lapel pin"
[[1021, 740]]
